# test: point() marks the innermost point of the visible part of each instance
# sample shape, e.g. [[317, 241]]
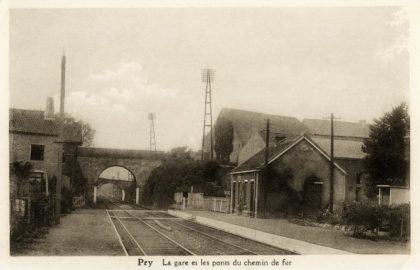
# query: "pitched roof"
[[342, 148], [31, 121], [246, 123], [257, 161], [341, 128], [34, 122]]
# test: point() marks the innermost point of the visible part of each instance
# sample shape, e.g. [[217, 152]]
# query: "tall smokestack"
[[63, 84], [49, 109], [61, 141]]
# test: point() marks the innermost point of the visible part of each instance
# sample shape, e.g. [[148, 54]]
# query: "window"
[[37, 152]]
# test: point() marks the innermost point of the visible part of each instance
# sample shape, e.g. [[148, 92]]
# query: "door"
[[312, 194]]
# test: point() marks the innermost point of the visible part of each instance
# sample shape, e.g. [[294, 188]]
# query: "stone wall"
[[20, 150], [92, 167]]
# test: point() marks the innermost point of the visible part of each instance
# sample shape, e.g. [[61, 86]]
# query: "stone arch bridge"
[[93, 161]]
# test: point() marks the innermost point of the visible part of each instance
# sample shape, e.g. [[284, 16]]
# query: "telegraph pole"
[[267, 138], [331, 208], [61, 142], [332, 166], [207, 76], [152, 134]]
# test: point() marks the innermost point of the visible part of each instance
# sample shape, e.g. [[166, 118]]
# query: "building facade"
[[34, 138], [307, 166]]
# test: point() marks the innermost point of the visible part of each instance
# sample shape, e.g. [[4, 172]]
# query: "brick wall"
[[20, 150], [305, 161]]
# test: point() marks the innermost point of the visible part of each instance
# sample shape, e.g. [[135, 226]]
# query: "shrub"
[[366, 216], [398, 217], [325, 216]]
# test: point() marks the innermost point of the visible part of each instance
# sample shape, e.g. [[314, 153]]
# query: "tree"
[[223, 132], [21, 170], [180, 152], [87, 132], [385, 149], [179, 172]]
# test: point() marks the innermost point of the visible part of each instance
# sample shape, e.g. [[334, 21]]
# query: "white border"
[[308, 261]]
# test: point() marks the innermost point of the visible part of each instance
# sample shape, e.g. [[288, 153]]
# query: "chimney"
[[49, 110]]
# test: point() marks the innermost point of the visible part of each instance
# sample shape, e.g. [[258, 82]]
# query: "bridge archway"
[[93, 161], [117, 182]]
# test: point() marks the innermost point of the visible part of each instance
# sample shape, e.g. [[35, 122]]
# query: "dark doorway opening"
[[312, 194]]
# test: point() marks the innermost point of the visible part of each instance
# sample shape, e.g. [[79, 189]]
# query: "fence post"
[[137, 195], [221, 203], [29, 210], [214, 204]]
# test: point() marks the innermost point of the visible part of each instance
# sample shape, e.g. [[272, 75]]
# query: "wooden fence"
[[79, 201], [196, 201]]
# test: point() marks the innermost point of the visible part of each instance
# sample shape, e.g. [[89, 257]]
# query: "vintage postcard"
[[236, 135]]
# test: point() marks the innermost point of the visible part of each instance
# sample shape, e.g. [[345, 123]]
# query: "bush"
[[325, 216], [399, 221], [366, 216]]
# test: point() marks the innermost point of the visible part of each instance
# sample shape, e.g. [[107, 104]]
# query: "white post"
[[123, 195], [380, 196], [94, 194], [214, 204], [137, 195], [183, 203]]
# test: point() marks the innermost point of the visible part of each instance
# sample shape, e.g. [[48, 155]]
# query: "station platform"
[[294, 237]]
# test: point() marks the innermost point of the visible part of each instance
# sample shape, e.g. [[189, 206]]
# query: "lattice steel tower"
[[151, 117], [207, 76]]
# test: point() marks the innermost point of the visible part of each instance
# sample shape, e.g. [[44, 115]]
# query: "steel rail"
[[192, 229], [131, 236], [214, 237], [118, 235], [128, 232], [160, 233], [164, 235]]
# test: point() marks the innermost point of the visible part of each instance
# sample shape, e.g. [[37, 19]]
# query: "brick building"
[[34, 138], [307, 157]]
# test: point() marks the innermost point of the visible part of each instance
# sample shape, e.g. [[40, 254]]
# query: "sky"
[[122, 64]]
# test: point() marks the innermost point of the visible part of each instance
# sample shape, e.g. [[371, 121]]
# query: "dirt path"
[[84, 232]]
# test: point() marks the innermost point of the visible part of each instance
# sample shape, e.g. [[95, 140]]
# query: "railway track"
[[139, 238], [158, 233]]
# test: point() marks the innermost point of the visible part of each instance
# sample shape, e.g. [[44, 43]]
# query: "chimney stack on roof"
[[49, 110]]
